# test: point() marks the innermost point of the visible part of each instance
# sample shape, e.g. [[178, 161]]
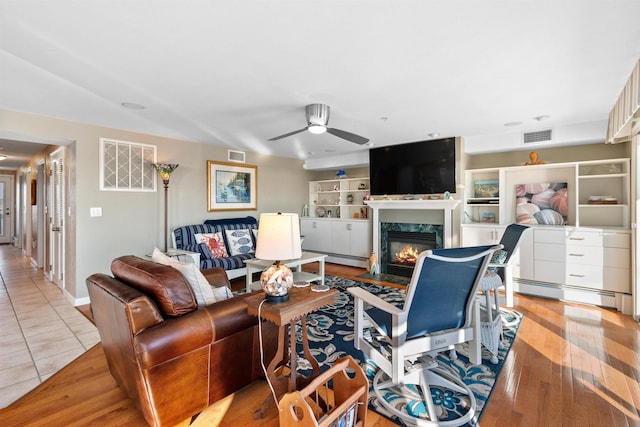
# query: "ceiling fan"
[[317, 119]]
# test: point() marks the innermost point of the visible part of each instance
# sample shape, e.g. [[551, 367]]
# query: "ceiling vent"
[[537, 136], [235, 156]]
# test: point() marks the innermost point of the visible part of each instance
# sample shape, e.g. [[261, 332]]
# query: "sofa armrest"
[[217, 276], [230, 316], [173, 338]]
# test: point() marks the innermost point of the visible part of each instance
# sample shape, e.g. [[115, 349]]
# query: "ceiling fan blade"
[[287, 134], [352, 137]]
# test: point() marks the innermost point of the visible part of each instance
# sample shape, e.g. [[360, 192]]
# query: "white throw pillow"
[[222, 293], [240, 242], [201, 288]]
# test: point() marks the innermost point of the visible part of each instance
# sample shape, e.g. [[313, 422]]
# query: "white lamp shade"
[[278, 236]]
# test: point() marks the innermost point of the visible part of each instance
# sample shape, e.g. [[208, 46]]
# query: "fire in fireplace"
[[403, 248]]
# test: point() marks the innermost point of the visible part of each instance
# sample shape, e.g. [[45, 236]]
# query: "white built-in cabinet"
[[317, 234], [338, 198], [586, 260], [490, 195], [486, 235], [338, 223]]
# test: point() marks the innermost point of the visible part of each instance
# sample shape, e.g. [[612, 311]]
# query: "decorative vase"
[[374, 268], [349, 198]]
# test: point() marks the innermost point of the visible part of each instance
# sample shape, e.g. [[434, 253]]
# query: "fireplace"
[[403, 248], [406, 240]]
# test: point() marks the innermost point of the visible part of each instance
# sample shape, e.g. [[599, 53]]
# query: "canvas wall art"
[[542, 203]]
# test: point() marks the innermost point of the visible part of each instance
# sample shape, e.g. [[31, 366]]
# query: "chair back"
[[511, 238], [443, 287]]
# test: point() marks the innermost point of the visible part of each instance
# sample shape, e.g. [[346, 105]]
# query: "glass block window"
[[127, 166]]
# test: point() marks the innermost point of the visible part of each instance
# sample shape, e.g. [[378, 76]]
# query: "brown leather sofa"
[[171, 357]]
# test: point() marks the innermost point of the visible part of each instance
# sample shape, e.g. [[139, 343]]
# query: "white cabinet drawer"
[[588, 276], [549, 236], [591, 255], [616, 257], [617, 240], [549, 271], [617, 279], [584, 238], [549, 252]]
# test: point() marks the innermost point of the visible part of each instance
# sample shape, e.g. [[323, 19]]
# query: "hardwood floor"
[[570, 365]]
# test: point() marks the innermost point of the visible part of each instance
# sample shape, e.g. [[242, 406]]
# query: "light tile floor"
[[40, 331]]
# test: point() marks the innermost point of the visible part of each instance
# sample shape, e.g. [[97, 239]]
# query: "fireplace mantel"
[[447, 206]]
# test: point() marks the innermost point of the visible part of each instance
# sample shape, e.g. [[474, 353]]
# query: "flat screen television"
[[422, 167]]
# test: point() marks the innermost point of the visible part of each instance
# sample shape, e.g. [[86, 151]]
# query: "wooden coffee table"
[[301, 302]]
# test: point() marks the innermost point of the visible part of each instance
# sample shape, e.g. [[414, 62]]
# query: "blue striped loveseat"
[[184, 238]]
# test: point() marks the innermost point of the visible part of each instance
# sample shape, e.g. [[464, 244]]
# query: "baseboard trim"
[[567, 293]]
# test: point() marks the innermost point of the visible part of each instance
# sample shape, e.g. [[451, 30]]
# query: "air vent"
[[536, 136], [236, 156]]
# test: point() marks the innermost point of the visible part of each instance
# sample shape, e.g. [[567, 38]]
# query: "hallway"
[[40, 331]]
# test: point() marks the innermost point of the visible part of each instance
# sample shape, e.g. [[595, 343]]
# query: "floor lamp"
[[165, 170]]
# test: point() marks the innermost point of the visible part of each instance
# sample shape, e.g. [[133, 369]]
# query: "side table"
[[185, 256], [301, 302], [255, 264]]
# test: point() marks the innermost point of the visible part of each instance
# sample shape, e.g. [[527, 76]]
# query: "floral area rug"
[[330, 331]]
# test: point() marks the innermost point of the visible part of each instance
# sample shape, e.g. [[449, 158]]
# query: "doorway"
[[6, 208], [56, 218]]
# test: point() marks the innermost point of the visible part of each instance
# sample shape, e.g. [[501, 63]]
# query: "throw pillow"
[[215, 243], [498, 257], [194, 277], [222, 293], [240, 242]]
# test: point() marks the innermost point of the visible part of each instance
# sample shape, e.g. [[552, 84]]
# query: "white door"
[[6, 208], [56, 218]]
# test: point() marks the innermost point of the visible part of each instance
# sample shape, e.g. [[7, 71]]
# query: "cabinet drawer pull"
[[576, 238], [576, 275], [576, 254]]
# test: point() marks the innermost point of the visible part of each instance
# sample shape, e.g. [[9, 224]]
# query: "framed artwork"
[[231, 187], [542, 203], [485, 189]]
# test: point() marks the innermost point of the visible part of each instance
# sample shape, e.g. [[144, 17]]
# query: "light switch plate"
[[95, 211]]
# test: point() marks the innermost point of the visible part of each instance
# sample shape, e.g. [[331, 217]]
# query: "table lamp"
[[278, 239]]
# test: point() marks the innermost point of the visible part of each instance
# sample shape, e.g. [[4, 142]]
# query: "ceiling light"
[[132, 106], [2, 157], [316, 129], [513, 124]]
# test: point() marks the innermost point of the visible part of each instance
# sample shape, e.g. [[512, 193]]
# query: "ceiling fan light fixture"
[[317, 129]]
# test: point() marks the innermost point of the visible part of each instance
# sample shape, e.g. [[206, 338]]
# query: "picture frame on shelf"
[[489, 217], [231, 187], [486, 188]]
